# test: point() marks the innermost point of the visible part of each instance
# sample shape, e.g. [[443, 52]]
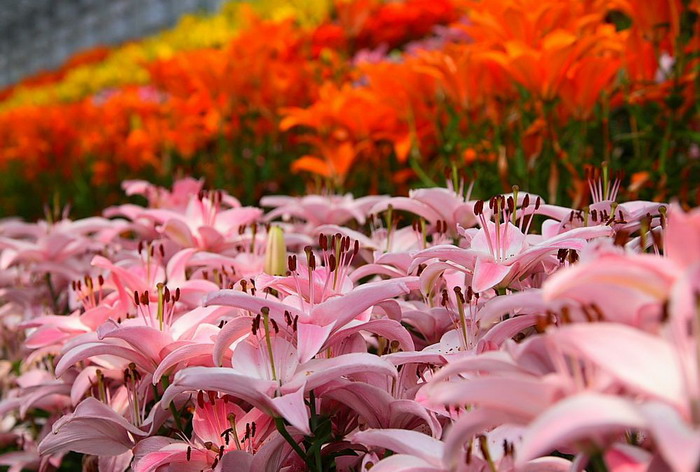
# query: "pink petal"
[[291, 407], [318, 372], [534, 395], [466, 427], [405, 463], [232, 331], [186, 353], [643, 362], [209, 238], [508, 328], [178, 231], [220, 379], [135, 336], [126, 277], [449, 252], [310, 339], [85, 351], [245, 301], [389, 329], [403, 441], [407, 204], [585, 416], [93, 428], [529, 301], [177, 265], [340, 310], [678, 441], [488, 274]]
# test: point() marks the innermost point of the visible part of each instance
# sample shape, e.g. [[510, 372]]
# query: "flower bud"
[[276, 252]]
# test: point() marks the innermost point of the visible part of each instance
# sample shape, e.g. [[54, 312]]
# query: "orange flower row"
[[416, 80]]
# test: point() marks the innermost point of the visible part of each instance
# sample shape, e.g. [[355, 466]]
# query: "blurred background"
[[365, 96]]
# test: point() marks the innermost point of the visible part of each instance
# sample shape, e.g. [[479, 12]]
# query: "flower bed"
[[372, 97], [431, 332]]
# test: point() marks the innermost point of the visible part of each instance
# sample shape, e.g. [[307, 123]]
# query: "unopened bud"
[[276, 253]]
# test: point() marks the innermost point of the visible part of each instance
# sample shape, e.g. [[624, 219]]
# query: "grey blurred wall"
[[42, 34]]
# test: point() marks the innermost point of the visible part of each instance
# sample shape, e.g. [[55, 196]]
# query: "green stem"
[[279, 423], [52, 293], [173, 410], [597, 463], [425, 179], [317, 450], [268, 341]]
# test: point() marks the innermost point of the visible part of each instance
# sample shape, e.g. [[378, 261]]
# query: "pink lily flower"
[[220, 427], [159, 197], [316, 323], [499, 252], [448, 205], [274, 379], [204, 223], [319, 210], [93, 428]]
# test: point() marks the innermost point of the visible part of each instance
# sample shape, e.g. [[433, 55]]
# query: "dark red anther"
[[200, 399], [136, 298], [356, 248], [323, 241], [100, 280], [621, 238], [511, 204], [189, 453], [256, 325], [458, 294], [573, 256], [526, 201], [332, 263], [177, 294], [140, 246], [537, 203], [478, 207], [274, 326], [294, 324]]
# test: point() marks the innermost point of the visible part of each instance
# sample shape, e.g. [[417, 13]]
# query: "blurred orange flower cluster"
[[397, 90]]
